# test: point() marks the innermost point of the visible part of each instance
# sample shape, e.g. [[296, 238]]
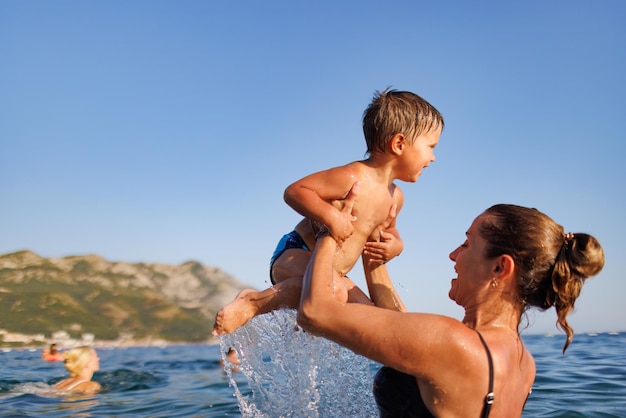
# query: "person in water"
[[81, 363], [514, 258], [401, 131], [51, 354]]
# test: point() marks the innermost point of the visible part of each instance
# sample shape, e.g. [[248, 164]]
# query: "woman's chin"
[[452, 292]]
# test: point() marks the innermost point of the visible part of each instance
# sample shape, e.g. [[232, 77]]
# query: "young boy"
[[401, 131]]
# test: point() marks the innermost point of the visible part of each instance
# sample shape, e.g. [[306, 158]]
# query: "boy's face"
[[420, 154]]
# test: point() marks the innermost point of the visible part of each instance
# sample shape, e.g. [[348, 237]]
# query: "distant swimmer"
[[81, 362], [51, 354], [231, 357]]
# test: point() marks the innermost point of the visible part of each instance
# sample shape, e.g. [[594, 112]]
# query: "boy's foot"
[[235, 314]]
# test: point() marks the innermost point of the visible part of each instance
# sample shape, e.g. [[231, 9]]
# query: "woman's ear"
[[505, 267], [397, 144]]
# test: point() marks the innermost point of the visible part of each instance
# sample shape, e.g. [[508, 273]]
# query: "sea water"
[[190, 380], [290, 373]]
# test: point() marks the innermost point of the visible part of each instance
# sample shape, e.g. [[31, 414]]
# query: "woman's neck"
[[495, 314], [85, 375]]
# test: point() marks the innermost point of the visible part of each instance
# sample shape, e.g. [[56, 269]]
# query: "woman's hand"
[[342, 228]]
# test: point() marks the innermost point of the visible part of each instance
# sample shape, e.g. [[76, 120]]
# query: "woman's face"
[[94, 363], [473, 271]]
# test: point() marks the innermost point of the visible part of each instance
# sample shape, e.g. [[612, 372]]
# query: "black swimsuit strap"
[[490, 396]]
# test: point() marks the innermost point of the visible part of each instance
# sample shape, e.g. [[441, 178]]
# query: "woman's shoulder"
[[86, 387], [445, 340], [78, 386], [91, 387]]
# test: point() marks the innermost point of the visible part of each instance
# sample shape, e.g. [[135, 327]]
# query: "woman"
[[514, 258], [51, 354], [81, 362]]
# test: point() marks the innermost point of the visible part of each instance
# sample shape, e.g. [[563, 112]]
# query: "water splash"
[[291, 373]]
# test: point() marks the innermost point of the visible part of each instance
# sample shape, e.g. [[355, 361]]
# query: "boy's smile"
[[420, 154]]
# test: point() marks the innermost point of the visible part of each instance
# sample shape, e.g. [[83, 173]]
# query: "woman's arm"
[[381, 289], [400, 340], [312, 197], [408, 342]]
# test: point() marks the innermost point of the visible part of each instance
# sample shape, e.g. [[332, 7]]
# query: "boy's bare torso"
[[376, 196]]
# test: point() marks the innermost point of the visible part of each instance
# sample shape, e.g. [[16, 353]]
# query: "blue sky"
[[162, 131]]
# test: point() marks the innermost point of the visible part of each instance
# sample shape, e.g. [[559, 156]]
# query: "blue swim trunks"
[[287, 242]]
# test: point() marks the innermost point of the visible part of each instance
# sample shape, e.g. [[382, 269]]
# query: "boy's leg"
[[284, 294], [291, 263], [287, 273], [250, 303]]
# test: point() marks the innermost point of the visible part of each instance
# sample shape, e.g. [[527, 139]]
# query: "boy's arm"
[[312, 195]]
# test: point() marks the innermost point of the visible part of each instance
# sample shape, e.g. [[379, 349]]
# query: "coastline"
[[104, 344]]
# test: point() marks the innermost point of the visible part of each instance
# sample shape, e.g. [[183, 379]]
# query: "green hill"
[[111, 300]]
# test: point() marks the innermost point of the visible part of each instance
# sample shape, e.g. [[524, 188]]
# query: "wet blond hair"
[[77, 358]]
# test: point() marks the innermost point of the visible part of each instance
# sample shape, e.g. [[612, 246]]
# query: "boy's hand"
[[389, 244], [380, 252]]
